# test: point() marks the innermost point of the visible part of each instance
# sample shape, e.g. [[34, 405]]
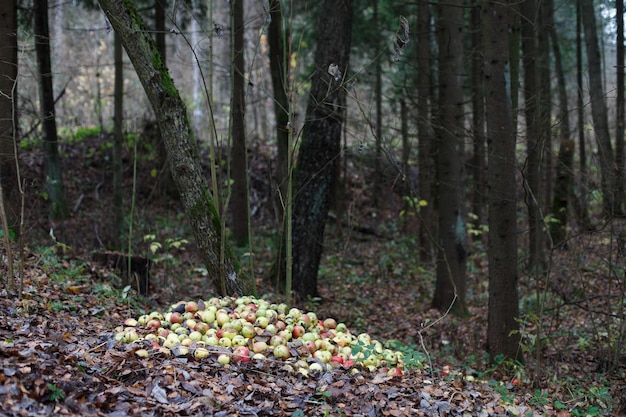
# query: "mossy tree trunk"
[[182, 149]]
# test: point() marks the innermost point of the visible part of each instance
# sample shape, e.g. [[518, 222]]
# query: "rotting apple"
[[241, 354]]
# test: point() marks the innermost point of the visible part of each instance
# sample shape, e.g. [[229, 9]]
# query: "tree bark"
[[598, 109], [8, 112], [279, 43], [450, 286], [182, 149], [532, 171], [479, 197], [321, 144], [239, 165], [58, 209], [503, 276], [425, 133], [619, 108], [118, 143], [565, 161], [582, 208]]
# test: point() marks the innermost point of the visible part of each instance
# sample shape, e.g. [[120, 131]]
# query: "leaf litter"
[[60, 359]]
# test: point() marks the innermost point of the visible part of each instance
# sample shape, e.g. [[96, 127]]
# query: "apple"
[[248, 331], [200, 353], [298, 331], [394, 372], [250, 317], [277, 340], [330, 323], [239, 340], [295, 313], [337, 359], [190, 323], [221, 318], [238, 324], [281, 352], [223, 359], [131, 322], [142, 353], [262, 321], [225, 342], [310, 336], [229, 333], [316, 367], [181, 351], [259, 347], [187, 341], [195, 336], [310, 344], [211, 340], [153, 323], [241, 354], [323, 355], [191, 307], [207, 316], [201, 327]]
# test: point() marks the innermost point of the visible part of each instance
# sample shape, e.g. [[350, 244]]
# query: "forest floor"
[[58, 354]]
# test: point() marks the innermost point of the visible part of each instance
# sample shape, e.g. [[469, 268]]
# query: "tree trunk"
[[321, 144], [279, 43], [545, 113], [582, 208], [532, 171], [503, 276], [182, 149], [479, 203], [598, 109], [239, 165], [565, 161], [58, 209], [8, 113], [159, 28], [118, 143], [378, 123], [619, 106], [452, 253], [425, 133]]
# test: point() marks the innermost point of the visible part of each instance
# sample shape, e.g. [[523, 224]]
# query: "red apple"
[[241, 354]]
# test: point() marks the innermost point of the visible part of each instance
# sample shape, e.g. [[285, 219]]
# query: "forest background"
[[470, 165]]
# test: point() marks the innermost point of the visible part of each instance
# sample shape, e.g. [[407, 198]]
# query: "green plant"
[[56, 393], [413, 357], [539, 399], [500, 388]]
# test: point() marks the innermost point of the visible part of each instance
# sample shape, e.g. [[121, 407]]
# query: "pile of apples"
[[246, 328]]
